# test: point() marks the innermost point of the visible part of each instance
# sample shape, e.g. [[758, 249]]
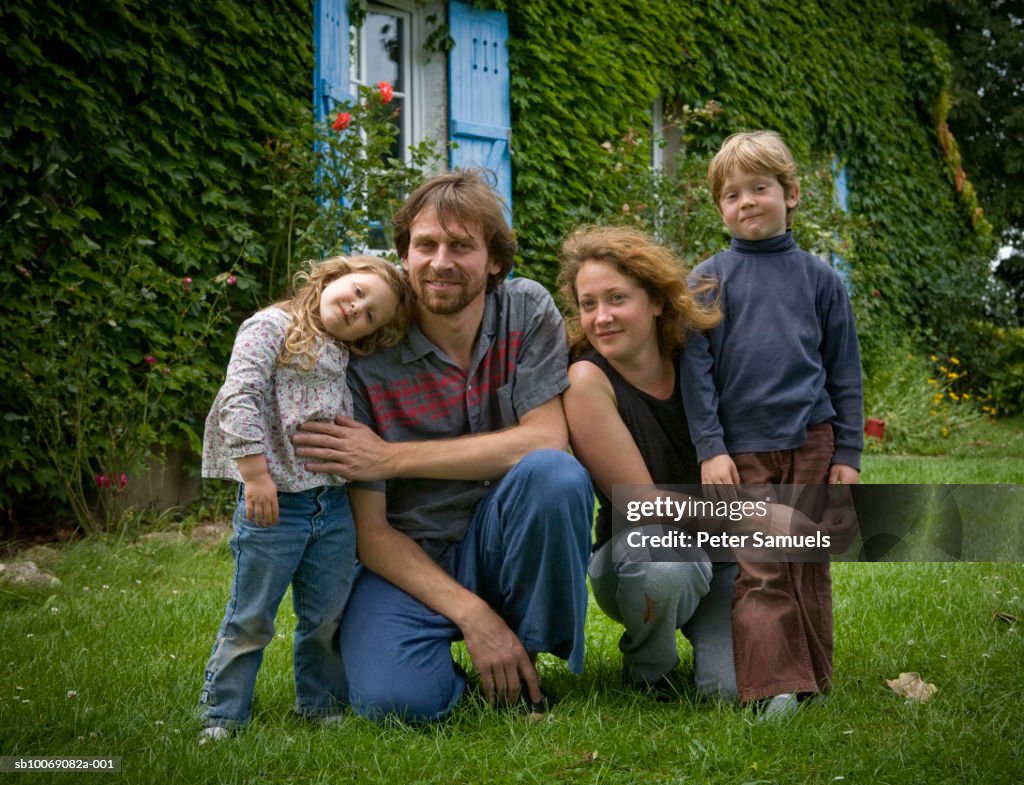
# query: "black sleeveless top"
[[661, 434]]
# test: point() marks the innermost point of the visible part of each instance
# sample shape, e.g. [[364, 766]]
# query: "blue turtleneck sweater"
[[784, 356]]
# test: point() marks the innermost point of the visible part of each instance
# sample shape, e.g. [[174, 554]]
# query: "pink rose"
[[387, 92], [150, 359], [341, 121], [186, 284], [231, 281]]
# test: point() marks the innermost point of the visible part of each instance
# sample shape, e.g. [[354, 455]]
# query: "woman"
[[630, 310]]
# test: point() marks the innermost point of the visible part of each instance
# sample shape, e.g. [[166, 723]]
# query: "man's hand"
[[345, 447], [499, 657]]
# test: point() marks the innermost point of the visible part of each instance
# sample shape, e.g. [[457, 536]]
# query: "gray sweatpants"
[[653, 599]]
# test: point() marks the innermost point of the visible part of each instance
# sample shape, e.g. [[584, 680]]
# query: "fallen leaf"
[[1004, 617], [912, 687]]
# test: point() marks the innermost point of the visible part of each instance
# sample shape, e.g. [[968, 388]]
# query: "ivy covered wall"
[[853, 80], [137, 169]]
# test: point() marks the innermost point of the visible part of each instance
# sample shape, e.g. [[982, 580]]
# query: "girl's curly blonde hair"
[[659, 271], [306, 335]]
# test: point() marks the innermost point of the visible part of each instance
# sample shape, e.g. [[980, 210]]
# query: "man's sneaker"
[[213, 733], [535, 710]]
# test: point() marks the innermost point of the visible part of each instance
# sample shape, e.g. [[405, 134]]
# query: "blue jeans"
[[313, 548], [525, 553]]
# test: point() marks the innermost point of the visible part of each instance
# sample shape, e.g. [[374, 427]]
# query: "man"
[[472, 520]]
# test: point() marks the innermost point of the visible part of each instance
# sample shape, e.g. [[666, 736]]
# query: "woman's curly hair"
[[659, 271]]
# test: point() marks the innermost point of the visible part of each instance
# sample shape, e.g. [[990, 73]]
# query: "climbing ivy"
[[857, 82], [138, 223]]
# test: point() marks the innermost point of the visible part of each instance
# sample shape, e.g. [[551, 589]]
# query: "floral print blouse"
[[262, 403]]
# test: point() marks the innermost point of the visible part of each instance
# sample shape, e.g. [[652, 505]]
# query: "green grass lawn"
[[110, 664], [991, 452]]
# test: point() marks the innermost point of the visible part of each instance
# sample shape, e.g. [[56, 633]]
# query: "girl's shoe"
[[213, 733]]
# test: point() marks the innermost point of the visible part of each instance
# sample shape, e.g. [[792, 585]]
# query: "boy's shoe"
[[778, 707], [213, 733], [812, 698]]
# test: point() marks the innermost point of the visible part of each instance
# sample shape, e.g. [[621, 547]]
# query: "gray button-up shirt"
[[415, 392]]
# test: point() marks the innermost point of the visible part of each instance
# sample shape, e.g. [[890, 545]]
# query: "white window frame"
[[424, 113], [663, 140]]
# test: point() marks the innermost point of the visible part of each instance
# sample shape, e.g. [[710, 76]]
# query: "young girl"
[[292, 526]]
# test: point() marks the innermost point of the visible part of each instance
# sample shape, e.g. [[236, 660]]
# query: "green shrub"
[[922, 399], [999, 355], [674, 204]]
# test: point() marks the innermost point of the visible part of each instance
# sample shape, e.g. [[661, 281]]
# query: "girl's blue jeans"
[[312, 548], [525, 552]]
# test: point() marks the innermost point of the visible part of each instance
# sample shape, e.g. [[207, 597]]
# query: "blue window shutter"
[[330, 74], [841, 186], [478, 100]]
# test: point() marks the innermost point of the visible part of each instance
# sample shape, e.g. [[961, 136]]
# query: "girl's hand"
[[260, 490], [261, 501]]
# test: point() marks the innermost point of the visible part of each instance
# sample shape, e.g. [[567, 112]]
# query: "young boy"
[[773, 395]]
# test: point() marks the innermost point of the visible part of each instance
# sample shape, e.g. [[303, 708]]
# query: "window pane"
[[382, 36]]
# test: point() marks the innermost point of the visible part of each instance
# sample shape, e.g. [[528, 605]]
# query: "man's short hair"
[[466, 198]]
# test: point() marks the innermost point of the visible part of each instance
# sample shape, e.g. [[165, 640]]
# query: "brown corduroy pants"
[[782, 611]]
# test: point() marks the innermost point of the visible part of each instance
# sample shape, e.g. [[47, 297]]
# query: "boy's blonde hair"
[[659, 271], [306, 335], [754, 152]]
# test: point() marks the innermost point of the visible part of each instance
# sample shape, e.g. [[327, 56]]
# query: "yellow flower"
[[967, 396], [954, 360], [944, 369], [954, 396], [944, 431], [932, 381], [934, 359]]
